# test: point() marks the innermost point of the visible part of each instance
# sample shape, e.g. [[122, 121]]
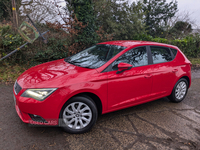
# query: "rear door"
[[163, 70]]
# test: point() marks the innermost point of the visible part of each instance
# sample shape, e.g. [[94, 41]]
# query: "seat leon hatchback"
[[106, 77]]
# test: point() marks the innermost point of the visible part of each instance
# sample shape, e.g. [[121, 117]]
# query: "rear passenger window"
[[174, 51], [160, 54]]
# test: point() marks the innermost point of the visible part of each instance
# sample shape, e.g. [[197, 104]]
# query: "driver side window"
[[136, 57]]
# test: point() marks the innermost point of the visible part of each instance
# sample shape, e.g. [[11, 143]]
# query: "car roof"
[[131, 43]]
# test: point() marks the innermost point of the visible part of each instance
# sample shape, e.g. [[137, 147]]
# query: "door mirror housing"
[[123, 66]]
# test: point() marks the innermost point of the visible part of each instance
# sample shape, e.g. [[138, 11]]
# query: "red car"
[[109, 76]]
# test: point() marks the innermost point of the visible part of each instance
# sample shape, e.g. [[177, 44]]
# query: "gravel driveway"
[[155, 125]]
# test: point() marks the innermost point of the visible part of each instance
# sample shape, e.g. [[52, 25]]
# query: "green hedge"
[[32, 54], [52, 51], [190, 45], [57, 48], [9, 41]]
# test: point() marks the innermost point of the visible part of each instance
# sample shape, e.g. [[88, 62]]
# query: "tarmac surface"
[[159, 124]]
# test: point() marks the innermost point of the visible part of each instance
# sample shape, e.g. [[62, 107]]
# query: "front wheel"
[[78, 115], [179, 91]]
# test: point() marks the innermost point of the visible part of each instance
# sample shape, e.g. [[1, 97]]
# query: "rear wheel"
[[179, 91], [78, 115]]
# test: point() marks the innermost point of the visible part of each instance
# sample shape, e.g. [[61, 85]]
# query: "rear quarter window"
[[174, 51]]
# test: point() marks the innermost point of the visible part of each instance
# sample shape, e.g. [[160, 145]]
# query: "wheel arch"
[[93, 96], [95, 99], [185, 77], [188, 80], [172, 96]]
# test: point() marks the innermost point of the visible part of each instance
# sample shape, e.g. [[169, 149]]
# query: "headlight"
[[38, 94]]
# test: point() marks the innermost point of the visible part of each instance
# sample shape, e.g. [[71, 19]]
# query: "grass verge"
[[8, 74], [195, 62]]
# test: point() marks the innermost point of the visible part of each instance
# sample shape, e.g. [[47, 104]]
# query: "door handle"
[[174, 70], [148, 76]]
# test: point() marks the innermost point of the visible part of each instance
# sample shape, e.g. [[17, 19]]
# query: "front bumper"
[[48, 109]]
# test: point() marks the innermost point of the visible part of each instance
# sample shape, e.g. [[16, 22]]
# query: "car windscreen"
[[95, 56]]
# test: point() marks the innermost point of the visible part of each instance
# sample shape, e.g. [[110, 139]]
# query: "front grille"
[[17, 88]]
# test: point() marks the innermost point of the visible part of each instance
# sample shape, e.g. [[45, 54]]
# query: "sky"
[[188, 6], [191, 6]]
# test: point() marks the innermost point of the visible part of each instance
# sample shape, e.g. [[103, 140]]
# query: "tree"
[[118, 18], [180, 28], [5, 9], [157, 14], [114, 17], [42, 11], [83, 10]]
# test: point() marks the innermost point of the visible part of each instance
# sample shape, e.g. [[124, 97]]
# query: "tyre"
[[78, 115], [179, 91]]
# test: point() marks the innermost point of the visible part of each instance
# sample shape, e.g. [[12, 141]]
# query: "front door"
[[131, 86]]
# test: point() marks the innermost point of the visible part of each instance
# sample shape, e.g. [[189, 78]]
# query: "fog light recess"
[[37, 118]]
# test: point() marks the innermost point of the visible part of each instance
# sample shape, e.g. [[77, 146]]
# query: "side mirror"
[[123, 66]]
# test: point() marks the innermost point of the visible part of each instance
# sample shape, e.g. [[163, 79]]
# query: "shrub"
[[143, 37], [9, 41], [190, 45], [54, 50], [161, 40]]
